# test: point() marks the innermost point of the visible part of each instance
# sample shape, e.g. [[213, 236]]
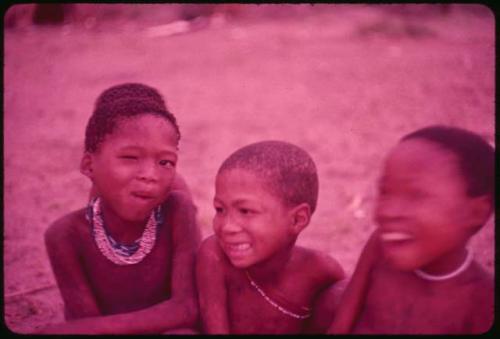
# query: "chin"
[[138, 216], [239, 263], [402, 264]]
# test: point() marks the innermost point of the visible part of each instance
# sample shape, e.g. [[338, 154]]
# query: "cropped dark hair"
[[123, 101], [287, 170], [476, 158]]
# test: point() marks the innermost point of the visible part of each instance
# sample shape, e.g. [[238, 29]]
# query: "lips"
[[236, 250], [396, 236], [144, 196]]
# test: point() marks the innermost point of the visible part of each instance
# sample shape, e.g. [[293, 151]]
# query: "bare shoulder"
[[481, 284], [320, 263], [66, 230], [211, 266], [210, 251]]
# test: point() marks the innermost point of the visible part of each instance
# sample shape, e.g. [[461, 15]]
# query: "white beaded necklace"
[[460, 269], [115, 255], [275, 304]]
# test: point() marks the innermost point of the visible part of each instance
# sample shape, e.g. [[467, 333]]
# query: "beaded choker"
[[460, 269], [117, 253], [275, 304]]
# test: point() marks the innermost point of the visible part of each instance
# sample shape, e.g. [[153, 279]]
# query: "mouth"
[[143, 196], [396, 237], [237, 250]]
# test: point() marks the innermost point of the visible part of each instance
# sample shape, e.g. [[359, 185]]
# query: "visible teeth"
[[395, 236], [240, 247]]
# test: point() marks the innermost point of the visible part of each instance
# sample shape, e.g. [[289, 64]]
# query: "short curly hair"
[[476, 158], [123, 101], [287, 170]]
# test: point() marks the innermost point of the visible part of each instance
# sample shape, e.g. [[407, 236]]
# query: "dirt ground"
[[343, 82]]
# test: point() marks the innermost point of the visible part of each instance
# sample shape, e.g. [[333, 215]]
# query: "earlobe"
[[86, 165], [301, 217]]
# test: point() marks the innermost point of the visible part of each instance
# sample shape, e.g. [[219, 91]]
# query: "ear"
[[86, 165], [301, 215], [479, 212]]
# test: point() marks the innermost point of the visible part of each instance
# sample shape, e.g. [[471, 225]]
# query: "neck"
[[271, 268], [446, 263], [123, 231]]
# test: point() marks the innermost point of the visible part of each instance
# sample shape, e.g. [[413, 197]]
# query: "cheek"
[[168, 179]]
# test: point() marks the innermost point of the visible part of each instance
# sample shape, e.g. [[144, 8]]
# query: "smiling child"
[[416, 275], [251, 276]]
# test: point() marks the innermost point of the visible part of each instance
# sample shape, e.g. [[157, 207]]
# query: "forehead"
[[144, 128], [242, 182], [421, 158]]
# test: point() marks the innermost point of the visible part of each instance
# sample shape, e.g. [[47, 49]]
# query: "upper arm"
[[354, 295], [185, 243], [210, 279], [61, 241], [331, 277], [324, 307]]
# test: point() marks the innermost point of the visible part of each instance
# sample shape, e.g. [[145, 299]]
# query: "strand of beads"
[[275, 304], [145, 244]]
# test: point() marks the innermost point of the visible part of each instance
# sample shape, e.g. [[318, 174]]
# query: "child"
[[251, 276], [140, 92], [125, 264], [435, 193]]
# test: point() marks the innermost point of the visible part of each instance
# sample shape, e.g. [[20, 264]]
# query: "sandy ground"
[[343, 82]]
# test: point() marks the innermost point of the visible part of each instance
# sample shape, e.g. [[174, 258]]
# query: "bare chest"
[[400, 303], [123, 288], [250, 312]]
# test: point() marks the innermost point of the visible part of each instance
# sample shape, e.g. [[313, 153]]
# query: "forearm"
[[214, 319], [212, 289], [347, 311], [156, 319]]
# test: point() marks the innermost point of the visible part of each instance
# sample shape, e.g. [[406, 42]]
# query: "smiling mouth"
[[237, 249], [393, 237]]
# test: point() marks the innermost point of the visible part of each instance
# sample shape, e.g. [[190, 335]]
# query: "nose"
[[148, 171], [389, 212], [226, 224]]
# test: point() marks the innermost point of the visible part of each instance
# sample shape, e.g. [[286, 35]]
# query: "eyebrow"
[[138, 148], [235, 202]]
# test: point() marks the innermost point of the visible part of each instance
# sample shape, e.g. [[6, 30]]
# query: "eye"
[[246, 211], [129, 157], [218, 209], [166, 163]]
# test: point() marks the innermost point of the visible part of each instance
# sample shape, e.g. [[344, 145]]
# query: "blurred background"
[[344, 82]]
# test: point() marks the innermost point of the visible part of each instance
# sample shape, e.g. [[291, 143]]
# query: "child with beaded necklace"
[[416, 275], [251, 276], [125, 264]]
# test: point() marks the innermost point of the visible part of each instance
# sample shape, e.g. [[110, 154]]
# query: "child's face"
[[423, 212], [135, 165], [250, 223]]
